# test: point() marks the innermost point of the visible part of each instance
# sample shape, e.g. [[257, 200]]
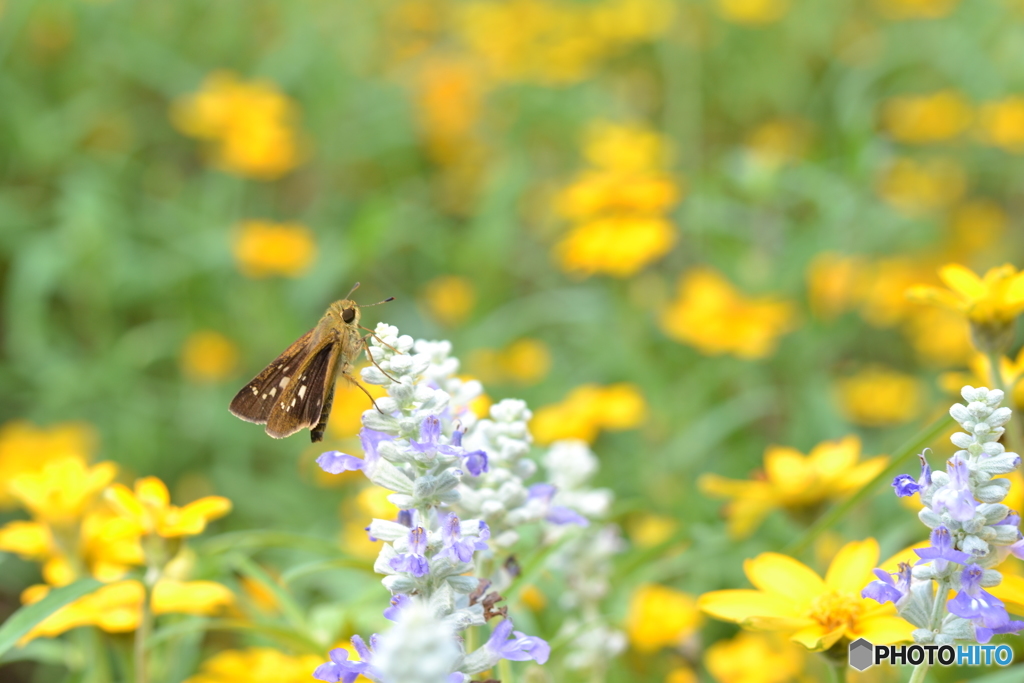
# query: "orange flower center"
[[833, 610]]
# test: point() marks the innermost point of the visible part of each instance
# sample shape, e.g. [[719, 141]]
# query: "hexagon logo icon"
[[862, 654]]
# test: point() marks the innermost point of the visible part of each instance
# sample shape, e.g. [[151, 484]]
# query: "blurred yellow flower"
[[647, 530], [1001, 123], [777, 142], [835, 283], [682, 674], [792, 599], [940, 337], [619, 246], [525, 362], [532, 597], [555, 41], [991, 304], [148, 507], [624, 148], [975, 226], [753, 11], [587, 410], [925, 119], [660, 616], [883, 289], [980, 375], [346, 415], [208, 356], [370, 503], [450, 299], [25, 448], [715, 318], [915, 187], [263, 249], [257, 665], [250, 126], [448, 97], [618, 206], [754, 658], [916, 9], [117, 607], [878, 396], [793, 482], [63, 490], [595, 193]]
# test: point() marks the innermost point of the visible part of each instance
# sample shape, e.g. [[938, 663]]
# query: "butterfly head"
[[345, 311]]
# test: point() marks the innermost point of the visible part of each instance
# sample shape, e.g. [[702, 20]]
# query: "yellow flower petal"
[[782, 575], [192, 518], [192, 597], [152, 492], [885, 630], [125, 502], [962, 280], [31, 540], [816, 638], [852, 566], [1011, 591], [739, 605]]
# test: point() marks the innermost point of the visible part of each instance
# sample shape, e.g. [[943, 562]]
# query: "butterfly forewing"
[[300, 404], [257, 399]]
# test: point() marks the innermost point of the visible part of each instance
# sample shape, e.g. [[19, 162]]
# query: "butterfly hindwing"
[[300, 404], [257, 399]]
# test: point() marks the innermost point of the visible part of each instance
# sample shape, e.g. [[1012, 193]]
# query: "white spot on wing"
[[273, 392], [255, 391], [263, 396], [284, 382], [302, 391]]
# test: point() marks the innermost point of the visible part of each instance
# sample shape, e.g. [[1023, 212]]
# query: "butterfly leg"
[[366, 346], [353, 380], [374, 335]]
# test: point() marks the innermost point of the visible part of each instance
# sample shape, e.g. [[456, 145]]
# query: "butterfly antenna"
[[354, 288], [390, 298]]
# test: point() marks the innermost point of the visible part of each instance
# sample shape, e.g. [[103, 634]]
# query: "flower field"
[[685, 342]]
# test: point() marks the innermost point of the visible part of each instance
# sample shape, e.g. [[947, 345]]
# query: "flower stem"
[[832, 517], [919, 673], [1011, 436], [837, 672], [505, 671], [145, 624]]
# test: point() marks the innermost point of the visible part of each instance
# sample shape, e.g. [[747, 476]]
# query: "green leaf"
[[287, 638], [309, 568], [22, 621]]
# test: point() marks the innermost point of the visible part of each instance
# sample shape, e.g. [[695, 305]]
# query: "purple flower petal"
[[336, 462]]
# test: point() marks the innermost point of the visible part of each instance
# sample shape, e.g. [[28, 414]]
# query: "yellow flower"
[[625, 149], [715, 318], [117, 607], [263, 249], [753, 11], [924, 119], [63, 490], [1001, 124], [250, 126], [792, 599], [26, 448], [596, 193], [682, 674], [587, 410], [835, 283], [256, 665], [660, 616], [448, 97], [619, 246], [370, 503], [754, 658], [793, 482], [648, 530], [878, 396], [991, 304], [450, 299], [777, 142], [941, 337], [208, 356], [532, 597], [148, 508], [916, 187], [526, 361], [980, 375], [884, 301], [916, 9]]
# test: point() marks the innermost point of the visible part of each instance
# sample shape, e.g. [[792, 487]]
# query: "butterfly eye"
[[348, 315]]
